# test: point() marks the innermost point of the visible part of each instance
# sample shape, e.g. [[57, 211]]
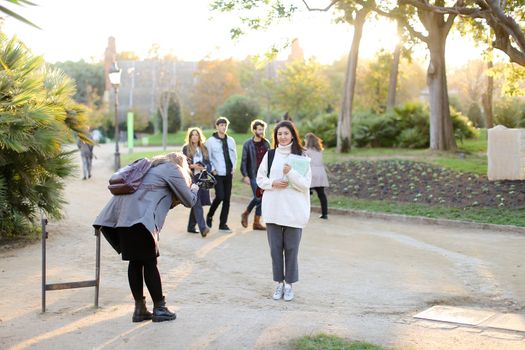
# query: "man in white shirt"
[[223, 156]]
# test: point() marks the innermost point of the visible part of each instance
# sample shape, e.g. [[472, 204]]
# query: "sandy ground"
[[360, 279]]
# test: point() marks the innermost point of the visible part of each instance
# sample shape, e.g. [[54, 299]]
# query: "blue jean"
[[197, 216], [255, 202]]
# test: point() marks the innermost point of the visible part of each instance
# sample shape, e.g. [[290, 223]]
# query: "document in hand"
[[299, 163]]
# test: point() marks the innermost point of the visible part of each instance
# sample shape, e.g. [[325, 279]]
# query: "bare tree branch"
[[404, 22], [451, 17], [320, 9], [505, 27], [456, 10], [503, 43], [509, 24]]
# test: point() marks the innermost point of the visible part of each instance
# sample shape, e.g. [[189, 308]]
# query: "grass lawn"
[[331, 342], [178, 138], [471, 156], [480, 215]]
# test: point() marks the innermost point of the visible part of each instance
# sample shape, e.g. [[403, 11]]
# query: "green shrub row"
[[406, 126]]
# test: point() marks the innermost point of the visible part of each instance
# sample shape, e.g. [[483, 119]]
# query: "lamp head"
[[114, 74]]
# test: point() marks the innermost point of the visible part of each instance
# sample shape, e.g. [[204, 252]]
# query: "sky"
[[74, 30]]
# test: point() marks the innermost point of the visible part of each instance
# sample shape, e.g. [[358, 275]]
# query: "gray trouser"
[[86, 166], [284, 248]]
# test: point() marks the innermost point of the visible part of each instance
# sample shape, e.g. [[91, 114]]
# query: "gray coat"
[[85, 149], [149, 205], [319, 177]]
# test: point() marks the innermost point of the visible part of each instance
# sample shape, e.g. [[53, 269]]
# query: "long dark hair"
[[297, 144]]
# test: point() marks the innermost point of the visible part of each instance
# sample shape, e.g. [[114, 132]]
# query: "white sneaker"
[[278, 294], [288, 292]]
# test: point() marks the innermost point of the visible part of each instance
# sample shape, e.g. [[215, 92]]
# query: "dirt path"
[[360, 279]]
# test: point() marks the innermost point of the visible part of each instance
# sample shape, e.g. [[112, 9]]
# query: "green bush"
[[509, 112], [413, 115], [407, 127], [463, 126], [475, 114], [38, 117], [369, 129], [240, 110], [323, 126], [412, 138]]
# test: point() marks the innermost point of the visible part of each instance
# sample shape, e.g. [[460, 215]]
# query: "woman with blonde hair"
[[314, 150], [198, 160], [132, 222]]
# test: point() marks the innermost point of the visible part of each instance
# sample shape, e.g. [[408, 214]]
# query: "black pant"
[[147, 271], [322, 199], [223, 192]]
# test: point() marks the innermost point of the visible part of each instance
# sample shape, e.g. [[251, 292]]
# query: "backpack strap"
[[271, 154]]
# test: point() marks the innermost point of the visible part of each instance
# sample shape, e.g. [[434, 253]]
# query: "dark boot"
[[257, 223], [161, 312], [244, 218], [141, 312]]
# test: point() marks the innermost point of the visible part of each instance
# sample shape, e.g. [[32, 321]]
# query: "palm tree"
[[37, 117], [13, 14]]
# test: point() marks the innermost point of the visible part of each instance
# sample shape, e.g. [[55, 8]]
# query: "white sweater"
[[289, 206]]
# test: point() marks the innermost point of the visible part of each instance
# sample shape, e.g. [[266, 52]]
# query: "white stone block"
[[506, 153]]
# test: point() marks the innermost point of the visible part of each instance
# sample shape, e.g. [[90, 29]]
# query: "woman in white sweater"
[[285, 204]]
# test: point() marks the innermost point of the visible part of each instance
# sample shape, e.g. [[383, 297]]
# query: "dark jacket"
[[149, 205], [249, 158]]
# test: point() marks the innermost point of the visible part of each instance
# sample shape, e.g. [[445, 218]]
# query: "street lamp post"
[[114, 78]]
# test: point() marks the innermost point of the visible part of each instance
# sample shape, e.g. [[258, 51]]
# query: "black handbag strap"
[[271, 155]]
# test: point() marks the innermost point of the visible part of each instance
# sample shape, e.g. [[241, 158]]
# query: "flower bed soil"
[[417, 182]]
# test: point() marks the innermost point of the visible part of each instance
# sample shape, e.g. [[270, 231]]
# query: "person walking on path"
[[86, 153], [314, 150], [198, 161], [285, 204], [223, 156], [132, 222], [253, 151]]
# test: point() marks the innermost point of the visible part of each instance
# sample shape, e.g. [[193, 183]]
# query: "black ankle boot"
[[141, 312], [161, 312]]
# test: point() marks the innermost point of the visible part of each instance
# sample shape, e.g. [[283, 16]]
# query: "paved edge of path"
[[411, 219]]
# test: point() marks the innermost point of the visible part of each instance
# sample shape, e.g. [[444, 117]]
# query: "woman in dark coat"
[[132, 222]]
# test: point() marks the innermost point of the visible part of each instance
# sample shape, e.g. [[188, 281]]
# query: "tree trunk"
[[344, 123], [441, 131], [164, 106], [394, 71], [486, 98]]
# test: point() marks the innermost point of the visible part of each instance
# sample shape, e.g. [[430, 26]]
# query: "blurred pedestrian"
[[253, 151], [198, 160], [223, 156], [314, 150], [86, 154]]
